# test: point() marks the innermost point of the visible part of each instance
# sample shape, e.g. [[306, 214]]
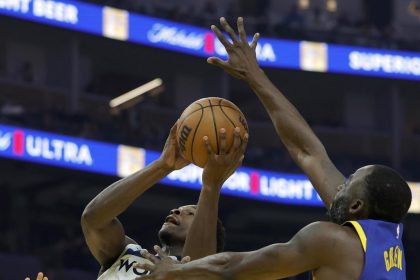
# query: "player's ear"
[[357, 207]]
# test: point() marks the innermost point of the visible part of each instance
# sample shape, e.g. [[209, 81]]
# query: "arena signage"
[[200, 42], [172, 35], [123, 25], [250, 183], [52, 149], [120, 160], [67, 14], [374, 62]]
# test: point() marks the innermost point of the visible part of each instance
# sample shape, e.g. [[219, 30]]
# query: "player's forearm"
[[214, 267], [291, 127], [116, 198], [201, 240], [229, 266], [303, 145]]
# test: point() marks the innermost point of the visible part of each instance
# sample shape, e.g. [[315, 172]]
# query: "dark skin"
[[187, 231], [104, 233], [218, 169], [330, 250], [303, 145]]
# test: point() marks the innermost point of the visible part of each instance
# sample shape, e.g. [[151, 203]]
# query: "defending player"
[[187, 231], [363, 239]]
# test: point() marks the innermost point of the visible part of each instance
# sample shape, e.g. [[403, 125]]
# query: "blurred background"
[[61, 62]]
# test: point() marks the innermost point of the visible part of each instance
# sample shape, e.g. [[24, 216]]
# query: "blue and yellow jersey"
[[384, 251]]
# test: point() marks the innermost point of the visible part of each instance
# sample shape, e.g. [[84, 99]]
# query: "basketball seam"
[[215, 126], [195, 132], [234, 126], [221, 109], [203, 107]]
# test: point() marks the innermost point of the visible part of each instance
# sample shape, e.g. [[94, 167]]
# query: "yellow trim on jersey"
[[360, 232]]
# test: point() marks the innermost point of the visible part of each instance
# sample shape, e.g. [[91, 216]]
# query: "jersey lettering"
[[393, 258], [127, 265]]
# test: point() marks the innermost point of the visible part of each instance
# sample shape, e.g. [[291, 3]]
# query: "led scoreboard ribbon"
[[300, 55], [120, 160]]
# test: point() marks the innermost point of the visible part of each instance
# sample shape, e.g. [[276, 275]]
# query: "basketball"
[[205, 117]]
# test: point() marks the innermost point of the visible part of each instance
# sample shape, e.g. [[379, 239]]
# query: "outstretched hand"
[[220, 167], [171, 158], [242, 61], [162, 266]]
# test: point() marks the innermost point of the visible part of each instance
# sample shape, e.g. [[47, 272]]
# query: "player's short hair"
[[221, 235], [388, 194]]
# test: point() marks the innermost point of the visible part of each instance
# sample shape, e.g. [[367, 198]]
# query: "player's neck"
[[173, 250]]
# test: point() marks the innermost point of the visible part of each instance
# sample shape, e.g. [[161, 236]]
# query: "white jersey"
[[123, 268]]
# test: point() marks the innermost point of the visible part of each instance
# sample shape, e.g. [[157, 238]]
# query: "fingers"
[[221, 37], [218, 62], [236, 138], [241, 30], [207, 144], [145, 254], [239, 147], [229, 31], [172, 136], [254, 42], [185, 260], [244, 143], [173, 128], [239, 162], [145, 266], [162, 254], [222, 139]]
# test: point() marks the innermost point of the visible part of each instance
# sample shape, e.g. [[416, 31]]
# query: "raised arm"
[[317, 245], [103, 231], [201, 240], [303, 145]]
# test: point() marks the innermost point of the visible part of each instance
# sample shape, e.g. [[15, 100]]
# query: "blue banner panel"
[[122, 25], [374, 62], [119, 160], [250, 183], [66, 14], [63, 151], [202, 42]]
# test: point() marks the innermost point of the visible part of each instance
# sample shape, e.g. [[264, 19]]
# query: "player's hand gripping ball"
[[205, 117]]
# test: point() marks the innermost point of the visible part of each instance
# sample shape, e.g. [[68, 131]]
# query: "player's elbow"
[[309, 155], [88, 217], [84, 219]]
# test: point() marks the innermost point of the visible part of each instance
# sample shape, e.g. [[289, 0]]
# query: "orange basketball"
[[205, 117]]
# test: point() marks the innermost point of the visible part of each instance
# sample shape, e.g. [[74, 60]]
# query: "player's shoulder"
[[329, 235], [328, 242], [328, 227]]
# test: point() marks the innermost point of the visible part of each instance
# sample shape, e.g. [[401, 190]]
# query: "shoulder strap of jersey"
[[360, 232]]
